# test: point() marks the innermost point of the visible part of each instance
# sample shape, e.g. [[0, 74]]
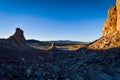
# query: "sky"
[[77, 20]]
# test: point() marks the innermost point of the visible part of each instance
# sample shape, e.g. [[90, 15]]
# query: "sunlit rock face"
[[17, 38], [107, 42], [111, 30], [113, 20], [111, 23], [118, 14]]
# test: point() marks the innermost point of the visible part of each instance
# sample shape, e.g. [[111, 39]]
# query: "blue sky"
[[80, 20]]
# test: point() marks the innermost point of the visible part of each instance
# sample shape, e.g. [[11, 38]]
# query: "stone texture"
[[18, 38], [118, 14], [113, 20], [79, 65], [110, 25], [83, 64], [107, 42], [111, 30]]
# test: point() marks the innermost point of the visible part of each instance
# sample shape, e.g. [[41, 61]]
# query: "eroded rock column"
[[111, 23], [118, 14], [17, 38]]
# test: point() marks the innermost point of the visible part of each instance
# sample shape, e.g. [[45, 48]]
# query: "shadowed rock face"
[[17, 38]]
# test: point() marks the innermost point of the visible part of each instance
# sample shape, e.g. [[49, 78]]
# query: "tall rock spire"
[[18, 38], [111, 30], [118, 14], [111, 22]]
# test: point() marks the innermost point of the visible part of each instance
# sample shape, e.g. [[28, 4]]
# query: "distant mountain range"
[[58, 43]]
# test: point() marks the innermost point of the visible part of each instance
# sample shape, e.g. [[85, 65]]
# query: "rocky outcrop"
[[111, 23], [110, 41], [113, 20], [118, 14], [52, 47], [111, 30], [18, 38], [83, 64]]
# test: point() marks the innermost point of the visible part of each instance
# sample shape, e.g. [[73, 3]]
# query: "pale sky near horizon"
[[78, 20]]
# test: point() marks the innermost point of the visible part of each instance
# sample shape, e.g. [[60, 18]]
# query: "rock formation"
[[52, 46], [111, 23], [83, 64], [118, 14], [113, 20], [111, 30], [18, 38]]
